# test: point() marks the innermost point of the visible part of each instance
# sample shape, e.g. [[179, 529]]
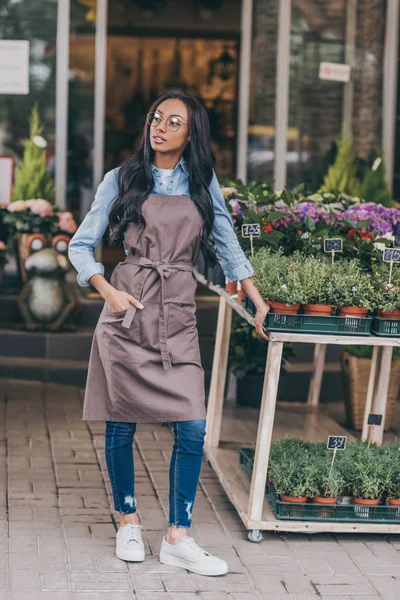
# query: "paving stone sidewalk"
[[58, 524]]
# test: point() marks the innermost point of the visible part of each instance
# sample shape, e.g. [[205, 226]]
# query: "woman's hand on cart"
[[259, 320]]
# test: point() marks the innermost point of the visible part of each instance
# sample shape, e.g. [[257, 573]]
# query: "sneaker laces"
[[196, 547], [132, 532]]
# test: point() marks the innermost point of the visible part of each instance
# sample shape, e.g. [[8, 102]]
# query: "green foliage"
[[391, 465], [366, 351], [32, 179], [248, 350], [364, 470], [277, 276], [301, 468], [350, 286], [342, 175], [374, 187], [316, 280], [386, 295]]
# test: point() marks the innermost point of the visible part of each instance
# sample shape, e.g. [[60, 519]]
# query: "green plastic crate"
[[249, 305], [386, 327], [328, 325], [311, 511]]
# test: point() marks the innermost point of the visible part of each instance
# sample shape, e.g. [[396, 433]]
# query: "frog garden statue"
[[45, 301]]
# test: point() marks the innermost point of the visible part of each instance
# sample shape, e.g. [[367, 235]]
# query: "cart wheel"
[[255, 535]]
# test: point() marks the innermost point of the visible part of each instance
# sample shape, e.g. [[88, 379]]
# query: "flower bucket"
[[356, 372], [322, 500], [231, 287], [299, 499], [321, 310], [283, 309], [352, 311], [393, 501], [388, 314]]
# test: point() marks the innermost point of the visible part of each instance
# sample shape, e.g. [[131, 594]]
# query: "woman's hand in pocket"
[[118, 300]]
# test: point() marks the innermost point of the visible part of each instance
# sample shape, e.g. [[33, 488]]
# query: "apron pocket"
[[182, 334], [120, 344]]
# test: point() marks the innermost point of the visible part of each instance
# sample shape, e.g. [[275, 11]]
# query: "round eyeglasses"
[[155, 118]]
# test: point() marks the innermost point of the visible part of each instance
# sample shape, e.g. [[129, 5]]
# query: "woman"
[[145, 365]]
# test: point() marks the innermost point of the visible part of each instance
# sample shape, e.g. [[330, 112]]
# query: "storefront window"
[[81, 108], [261, 138], [36, 22], [315, 106]]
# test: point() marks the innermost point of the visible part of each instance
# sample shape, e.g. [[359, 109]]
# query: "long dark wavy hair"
[[135, 178]]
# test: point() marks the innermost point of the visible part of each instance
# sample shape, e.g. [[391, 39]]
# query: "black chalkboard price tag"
[[391, 255], [251, 230], [333, 245], [337, 442], [374, 419]]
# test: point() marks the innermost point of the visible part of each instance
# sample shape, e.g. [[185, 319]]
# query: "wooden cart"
[[248, 497]]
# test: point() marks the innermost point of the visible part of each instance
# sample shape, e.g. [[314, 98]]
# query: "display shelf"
[[248, 497]]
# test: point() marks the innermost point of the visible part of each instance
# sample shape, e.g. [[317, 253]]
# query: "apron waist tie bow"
[[164, 270]]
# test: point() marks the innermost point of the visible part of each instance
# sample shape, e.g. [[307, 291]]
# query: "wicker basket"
[[355, 378]]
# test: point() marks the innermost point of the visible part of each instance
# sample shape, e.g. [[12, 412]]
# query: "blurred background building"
[[96, 65]]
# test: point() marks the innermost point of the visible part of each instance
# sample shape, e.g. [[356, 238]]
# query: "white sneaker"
[[129, 542], [189, 555]]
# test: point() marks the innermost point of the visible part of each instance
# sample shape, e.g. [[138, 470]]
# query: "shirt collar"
[[182, 163]]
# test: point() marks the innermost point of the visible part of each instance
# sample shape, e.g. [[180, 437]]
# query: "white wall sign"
[[14, 67], [6, 176], [334, 72]]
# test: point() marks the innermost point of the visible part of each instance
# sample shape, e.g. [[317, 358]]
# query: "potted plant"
[[316, 283], [292, 471], [392, 474], [356, 366], [329, 481], [386, 295], [367, 474], [277, 278], [246, 359], [352, 289]]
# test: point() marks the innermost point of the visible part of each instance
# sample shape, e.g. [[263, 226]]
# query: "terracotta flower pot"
[[320, 310], [394, 501], [286, 498], [352, 311], [367, 501], [321, 500], [283, 309], [388, 314]]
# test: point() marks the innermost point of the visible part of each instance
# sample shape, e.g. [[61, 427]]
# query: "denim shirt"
[[230, 255]]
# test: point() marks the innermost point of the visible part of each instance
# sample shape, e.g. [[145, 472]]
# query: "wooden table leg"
[[218, 375], [379, 403], [314, 391], [376, 357], [264, 432]]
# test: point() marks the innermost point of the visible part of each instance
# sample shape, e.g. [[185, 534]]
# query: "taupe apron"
[[145, 364]]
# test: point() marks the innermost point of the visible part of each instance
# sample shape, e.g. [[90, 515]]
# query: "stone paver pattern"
[[58, 522]]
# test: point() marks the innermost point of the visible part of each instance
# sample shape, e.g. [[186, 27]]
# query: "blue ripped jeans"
[[184, 471]]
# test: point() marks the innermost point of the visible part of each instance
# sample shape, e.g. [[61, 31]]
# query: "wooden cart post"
[[314, 391], [376, 359], [264, 433], [379, 402], [218, 375]]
